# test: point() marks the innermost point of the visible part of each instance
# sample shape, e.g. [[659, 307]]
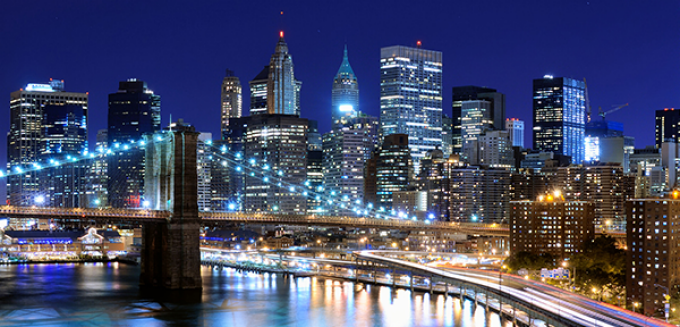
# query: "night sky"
[[628, 51]]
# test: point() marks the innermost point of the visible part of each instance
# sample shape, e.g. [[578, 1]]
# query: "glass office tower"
[[411, 97], [133, 111], [559, 116], [45, 123]]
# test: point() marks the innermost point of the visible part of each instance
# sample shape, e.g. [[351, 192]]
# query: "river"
[[108, 295]]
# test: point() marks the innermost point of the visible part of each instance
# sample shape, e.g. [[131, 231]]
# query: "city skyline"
[[192, 60]]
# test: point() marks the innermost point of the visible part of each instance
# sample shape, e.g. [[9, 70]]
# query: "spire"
[[281, 46], [345, 68]]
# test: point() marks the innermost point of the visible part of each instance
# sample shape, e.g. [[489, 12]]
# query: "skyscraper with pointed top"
[[283, 90], [345, 94]]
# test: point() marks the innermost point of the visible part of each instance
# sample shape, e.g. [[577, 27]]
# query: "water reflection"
[[106, 294]]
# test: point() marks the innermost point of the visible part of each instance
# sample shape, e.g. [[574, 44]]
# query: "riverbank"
[[128, 261]]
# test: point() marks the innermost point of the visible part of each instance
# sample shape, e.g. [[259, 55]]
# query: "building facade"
[[667, 126], [411, 97], [345, 93], [346, 149], [479, 194], [47, 125], [283, 90], [653, 259], [550, 225], [470, 93], [231, 99], [392, 169], [559, 116], [275, 146], [133, 111], [516, 129]]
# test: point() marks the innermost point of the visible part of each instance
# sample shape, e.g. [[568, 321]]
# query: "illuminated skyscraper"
[[496, 113], [277, 145], [516, 129], [411, 97], [345, 152], [45, 123], [393, 169], [258, 92], [133, 111], [231, 99], [559, 116], [283, 90], [345, 94]]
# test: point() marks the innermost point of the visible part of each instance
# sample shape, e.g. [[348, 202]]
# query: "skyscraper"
[[393, 169], [470, 93], [516, 129], [411, 97], [133, 111], [45, 123], [283, 90], [231, 99], [258, 92], [345, 152], [475, 121], [666, 126], [345, 94], [276, 146], [559, 116]]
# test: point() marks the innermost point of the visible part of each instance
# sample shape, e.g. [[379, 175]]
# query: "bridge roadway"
[[142, 216], [557, 304]]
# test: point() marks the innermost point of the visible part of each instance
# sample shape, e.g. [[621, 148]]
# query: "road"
[[576, 308]]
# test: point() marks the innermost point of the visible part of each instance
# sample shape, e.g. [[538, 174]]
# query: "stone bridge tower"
[[170, 250]]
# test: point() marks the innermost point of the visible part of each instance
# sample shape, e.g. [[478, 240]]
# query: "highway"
[[578, 309]]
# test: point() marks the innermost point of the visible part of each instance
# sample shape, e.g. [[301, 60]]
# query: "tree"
[[601, 265], [529, 260]]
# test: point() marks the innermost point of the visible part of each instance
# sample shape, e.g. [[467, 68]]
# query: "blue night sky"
[[628, 50]]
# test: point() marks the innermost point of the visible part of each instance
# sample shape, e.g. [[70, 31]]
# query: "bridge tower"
[[170, 250]]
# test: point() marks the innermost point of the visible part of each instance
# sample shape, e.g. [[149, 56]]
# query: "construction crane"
[[587, 100], [604, 114]]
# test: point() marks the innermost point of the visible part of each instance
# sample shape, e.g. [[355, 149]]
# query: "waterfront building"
[[133, 111], [551, 224], [411, 97], [516, 129], [231, 99], [470, 93], [45, 123], [345, 93], [653, 256], [559, 116], [61, 245]]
